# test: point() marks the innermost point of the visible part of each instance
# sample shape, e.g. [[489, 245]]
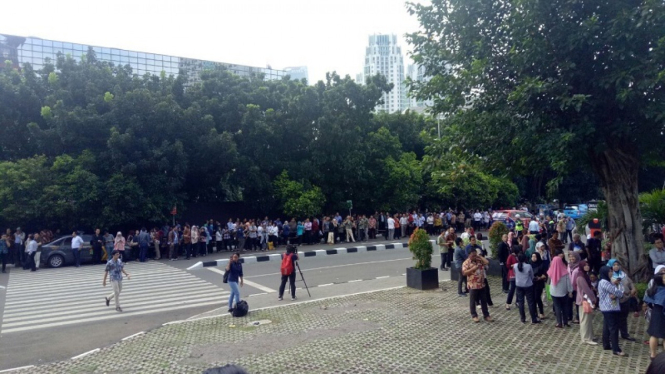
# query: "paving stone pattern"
[[396, 331]]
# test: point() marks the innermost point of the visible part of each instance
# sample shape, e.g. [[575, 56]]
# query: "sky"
[[324, 35]]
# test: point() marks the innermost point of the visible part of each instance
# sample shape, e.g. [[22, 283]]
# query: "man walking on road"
[[288, 270], [144, 243], [31, 251], [97, 242], [116, 268], [76, 248]]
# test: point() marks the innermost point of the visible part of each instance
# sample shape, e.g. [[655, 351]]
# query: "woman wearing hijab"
[[629, 297], [560, 288], [539, 280], [119, 244], [573, 268], [585, 293], [610, 292], [655, 298]]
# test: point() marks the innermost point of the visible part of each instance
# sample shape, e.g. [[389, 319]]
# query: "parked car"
[[59, 252], [525, 217], [574, 211]]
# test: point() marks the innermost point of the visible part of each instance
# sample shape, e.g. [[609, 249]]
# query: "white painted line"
[[249, 260], [96, 305], [383, 277], [333, 267], [86, 353], [196, 318], [258, 294], [133, 336], [172, 323], [249, 283], [34, 325], [18, 368], [404, 274], [197, 265], [326, 285], [355, 280]]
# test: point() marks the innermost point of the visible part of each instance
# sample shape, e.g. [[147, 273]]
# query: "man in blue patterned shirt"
[[116, 268]]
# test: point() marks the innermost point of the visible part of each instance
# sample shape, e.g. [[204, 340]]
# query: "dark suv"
[[59, 252]]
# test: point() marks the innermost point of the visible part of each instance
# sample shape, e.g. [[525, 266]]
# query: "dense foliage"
[[562, 85], [421, 248], [497, 231], [653, 208], [86, 143]]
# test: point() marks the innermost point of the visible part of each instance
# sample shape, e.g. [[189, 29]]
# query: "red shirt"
[[512, 260]]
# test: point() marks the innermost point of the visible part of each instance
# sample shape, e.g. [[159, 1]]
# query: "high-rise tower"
[[383, 56]]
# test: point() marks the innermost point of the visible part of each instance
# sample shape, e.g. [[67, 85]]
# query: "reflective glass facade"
[[38, 52]]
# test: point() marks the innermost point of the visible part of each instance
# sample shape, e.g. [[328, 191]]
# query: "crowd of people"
[[578, 278]]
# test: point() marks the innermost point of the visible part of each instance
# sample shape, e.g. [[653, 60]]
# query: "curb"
[[313, 253]]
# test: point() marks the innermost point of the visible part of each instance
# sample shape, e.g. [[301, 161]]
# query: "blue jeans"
[[143, 252], [77, 256], [235, 292]]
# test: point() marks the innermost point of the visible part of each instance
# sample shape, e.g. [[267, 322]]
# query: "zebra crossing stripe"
[[79, 296]]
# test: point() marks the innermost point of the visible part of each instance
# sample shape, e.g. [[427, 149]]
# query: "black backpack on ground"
[[241, 309]]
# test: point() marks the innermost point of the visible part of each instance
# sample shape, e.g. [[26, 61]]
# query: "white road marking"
[[258, 294], [18, 368], [383, 277], [196, 318], [133, 336], [249, 283], [326, 285], [86, 353], [153, 288], [355, 280], [333, 267]]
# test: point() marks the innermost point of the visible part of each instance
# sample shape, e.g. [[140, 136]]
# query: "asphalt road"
[[56, 314]]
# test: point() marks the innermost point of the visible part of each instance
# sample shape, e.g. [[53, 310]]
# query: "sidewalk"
[[391, 331]]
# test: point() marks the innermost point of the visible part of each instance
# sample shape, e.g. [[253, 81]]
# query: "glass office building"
[[21, 50]]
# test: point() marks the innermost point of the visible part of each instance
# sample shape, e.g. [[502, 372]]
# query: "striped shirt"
[[605, 289]]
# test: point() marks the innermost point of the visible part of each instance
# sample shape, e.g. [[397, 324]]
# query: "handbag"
[[225, 279], [588, 309]]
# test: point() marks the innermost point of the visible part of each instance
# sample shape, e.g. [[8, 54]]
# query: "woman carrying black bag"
[[234, 271]]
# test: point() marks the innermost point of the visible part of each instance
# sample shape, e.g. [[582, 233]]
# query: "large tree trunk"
[[617, 170]]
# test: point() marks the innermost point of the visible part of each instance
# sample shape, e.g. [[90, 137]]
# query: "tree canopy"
[[86, 143], [562, 84]]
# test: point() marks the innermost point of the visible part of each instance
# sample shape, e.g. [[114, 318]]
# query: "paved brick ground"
[[395, 331]]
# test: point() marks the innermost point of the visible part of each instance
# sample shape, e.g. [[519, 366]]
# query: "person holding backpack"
[[288, 270]]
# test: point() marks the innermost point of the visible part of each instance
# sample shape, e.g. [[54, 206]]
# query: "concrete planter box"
[[494, 270], [422, 279]]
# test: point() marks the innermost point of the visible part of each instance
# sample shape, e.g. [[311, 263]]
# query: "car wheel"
[[56, 261]]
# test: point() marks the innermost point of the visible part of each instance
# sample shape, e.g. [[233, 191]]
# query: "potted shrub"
[[497, 230], [422, 276]]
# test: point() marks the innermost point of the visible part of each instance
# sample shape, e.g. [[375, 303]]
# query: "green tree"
[[653, 207], [298, 201], [581, 81]]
